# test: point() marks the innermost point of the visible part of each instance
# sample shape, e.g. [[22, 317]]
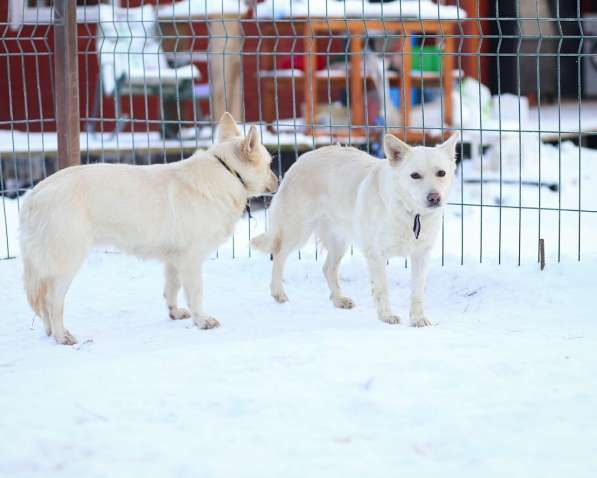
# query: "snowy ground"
[[503, 385]]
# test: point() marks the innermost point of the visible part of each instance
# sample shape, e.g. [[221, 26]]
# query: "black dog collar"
[[247, 207], [230, 170]]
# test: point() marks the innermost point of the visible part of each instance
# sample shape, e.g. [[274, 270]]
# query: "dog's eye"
[[441, 173], [416, 176]]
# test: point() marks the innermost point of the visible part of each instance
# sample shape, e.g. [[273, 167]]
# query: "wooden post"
[[476, 27], [66, 69], [310, 82], [449, 57], [268, 87], [406, 100], [357, 100]]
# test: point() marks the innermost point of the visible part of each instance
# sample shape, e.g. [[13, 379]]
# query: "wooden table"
[[358, 30], [358, 18]]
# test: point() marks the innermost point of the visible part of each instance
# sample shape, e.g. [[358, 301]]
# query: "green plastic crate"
[[426, 58]]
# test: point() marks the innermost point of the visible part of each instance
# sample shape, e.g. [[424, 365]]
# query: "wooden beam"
[[66, 69], [476, 26]]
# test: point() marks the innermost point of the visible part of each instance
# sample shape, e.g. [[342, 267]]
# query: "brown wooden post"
[[267, 63], [310, 82], [357, 93], [476, 27], [449, 59], [405, 101], [66, 71]]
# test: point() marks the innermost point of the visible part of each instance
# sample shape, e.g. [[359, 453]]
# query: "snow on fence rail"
[[513, 79]]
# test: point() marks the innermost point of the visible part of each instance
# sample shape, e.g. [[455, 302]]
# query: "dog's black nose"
[[433, 199]]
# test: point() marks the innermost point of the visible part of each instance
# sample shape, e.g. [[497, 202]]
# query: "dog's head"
[[423, 175], [247, 156]]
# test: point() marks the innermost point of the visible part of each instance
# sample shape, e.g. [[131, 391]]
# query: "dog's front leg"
[[171, 289], [420, 269], [192, 283], [379, 288]]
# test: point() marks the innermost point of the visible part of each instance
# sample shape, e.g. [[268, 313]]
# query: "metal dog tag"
[[417, 226]]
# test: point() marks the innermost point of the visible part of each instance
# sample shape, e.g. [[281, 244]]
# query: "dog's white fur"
[[176, 213], [343, 195]]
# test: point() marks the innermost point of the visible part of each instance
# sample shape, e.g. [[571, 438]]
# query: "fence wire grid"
[[515, 79]]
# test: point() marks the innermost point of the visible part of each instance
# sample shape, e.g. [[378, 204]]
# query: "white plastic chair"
[[132, 62]]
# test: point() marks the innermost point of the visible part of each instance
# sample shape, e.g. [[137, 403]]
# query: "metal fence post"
[[66, 69]]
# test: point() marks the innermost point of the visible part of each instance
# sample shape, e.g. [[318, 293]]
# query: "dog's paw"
[[419, 321], [66, 339], [390, 319], [280, 297], [206, 322], [178, 314], [343, 302]]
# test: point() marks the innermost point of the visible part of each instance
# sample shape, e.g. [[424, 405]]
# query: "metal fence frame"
[[470, 47]]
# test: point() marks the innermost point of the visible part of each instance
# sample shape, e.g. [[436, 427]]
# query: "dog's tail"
[[36, 289], [36, 285], [268, 242]]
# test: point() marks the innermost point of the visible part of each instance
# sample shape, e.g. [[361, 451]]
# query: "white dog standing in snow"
[[389, 207], [177, 213]]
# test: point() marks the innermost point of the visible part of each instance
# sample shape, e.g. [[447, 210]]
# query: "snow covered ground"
[[504, 384]]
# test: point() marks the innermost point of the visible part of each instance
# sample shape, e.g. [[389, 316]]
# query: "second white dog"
[[389, 207]]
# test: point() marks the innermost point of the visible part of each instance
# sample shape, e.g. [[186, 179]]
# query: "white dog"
[[176, 213], [388, 207]]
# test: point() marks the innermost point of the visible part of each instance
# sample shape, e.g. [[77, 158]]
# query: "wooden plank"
[[427, 80]]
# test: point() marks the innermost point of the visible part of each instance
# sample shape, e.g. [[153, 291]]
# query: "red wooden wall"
[[26, 80], [26, 77], [19, 84]]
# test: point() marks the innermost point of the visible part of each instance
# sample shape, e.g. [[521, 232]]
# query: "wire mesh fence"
[[514, 79]]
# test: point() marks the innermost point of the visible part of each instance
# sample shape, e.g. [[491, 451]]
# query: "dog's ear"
[[227, 128], [395, 148], [251, 141], [449, 146]]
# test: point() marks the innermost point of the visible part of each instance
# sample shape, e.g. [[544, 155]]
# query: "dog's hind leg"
[[58, 286], [47, 324], [171, 289], [277, 286], [55, 307], [336, 248], [290, 240], [45, 313]]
